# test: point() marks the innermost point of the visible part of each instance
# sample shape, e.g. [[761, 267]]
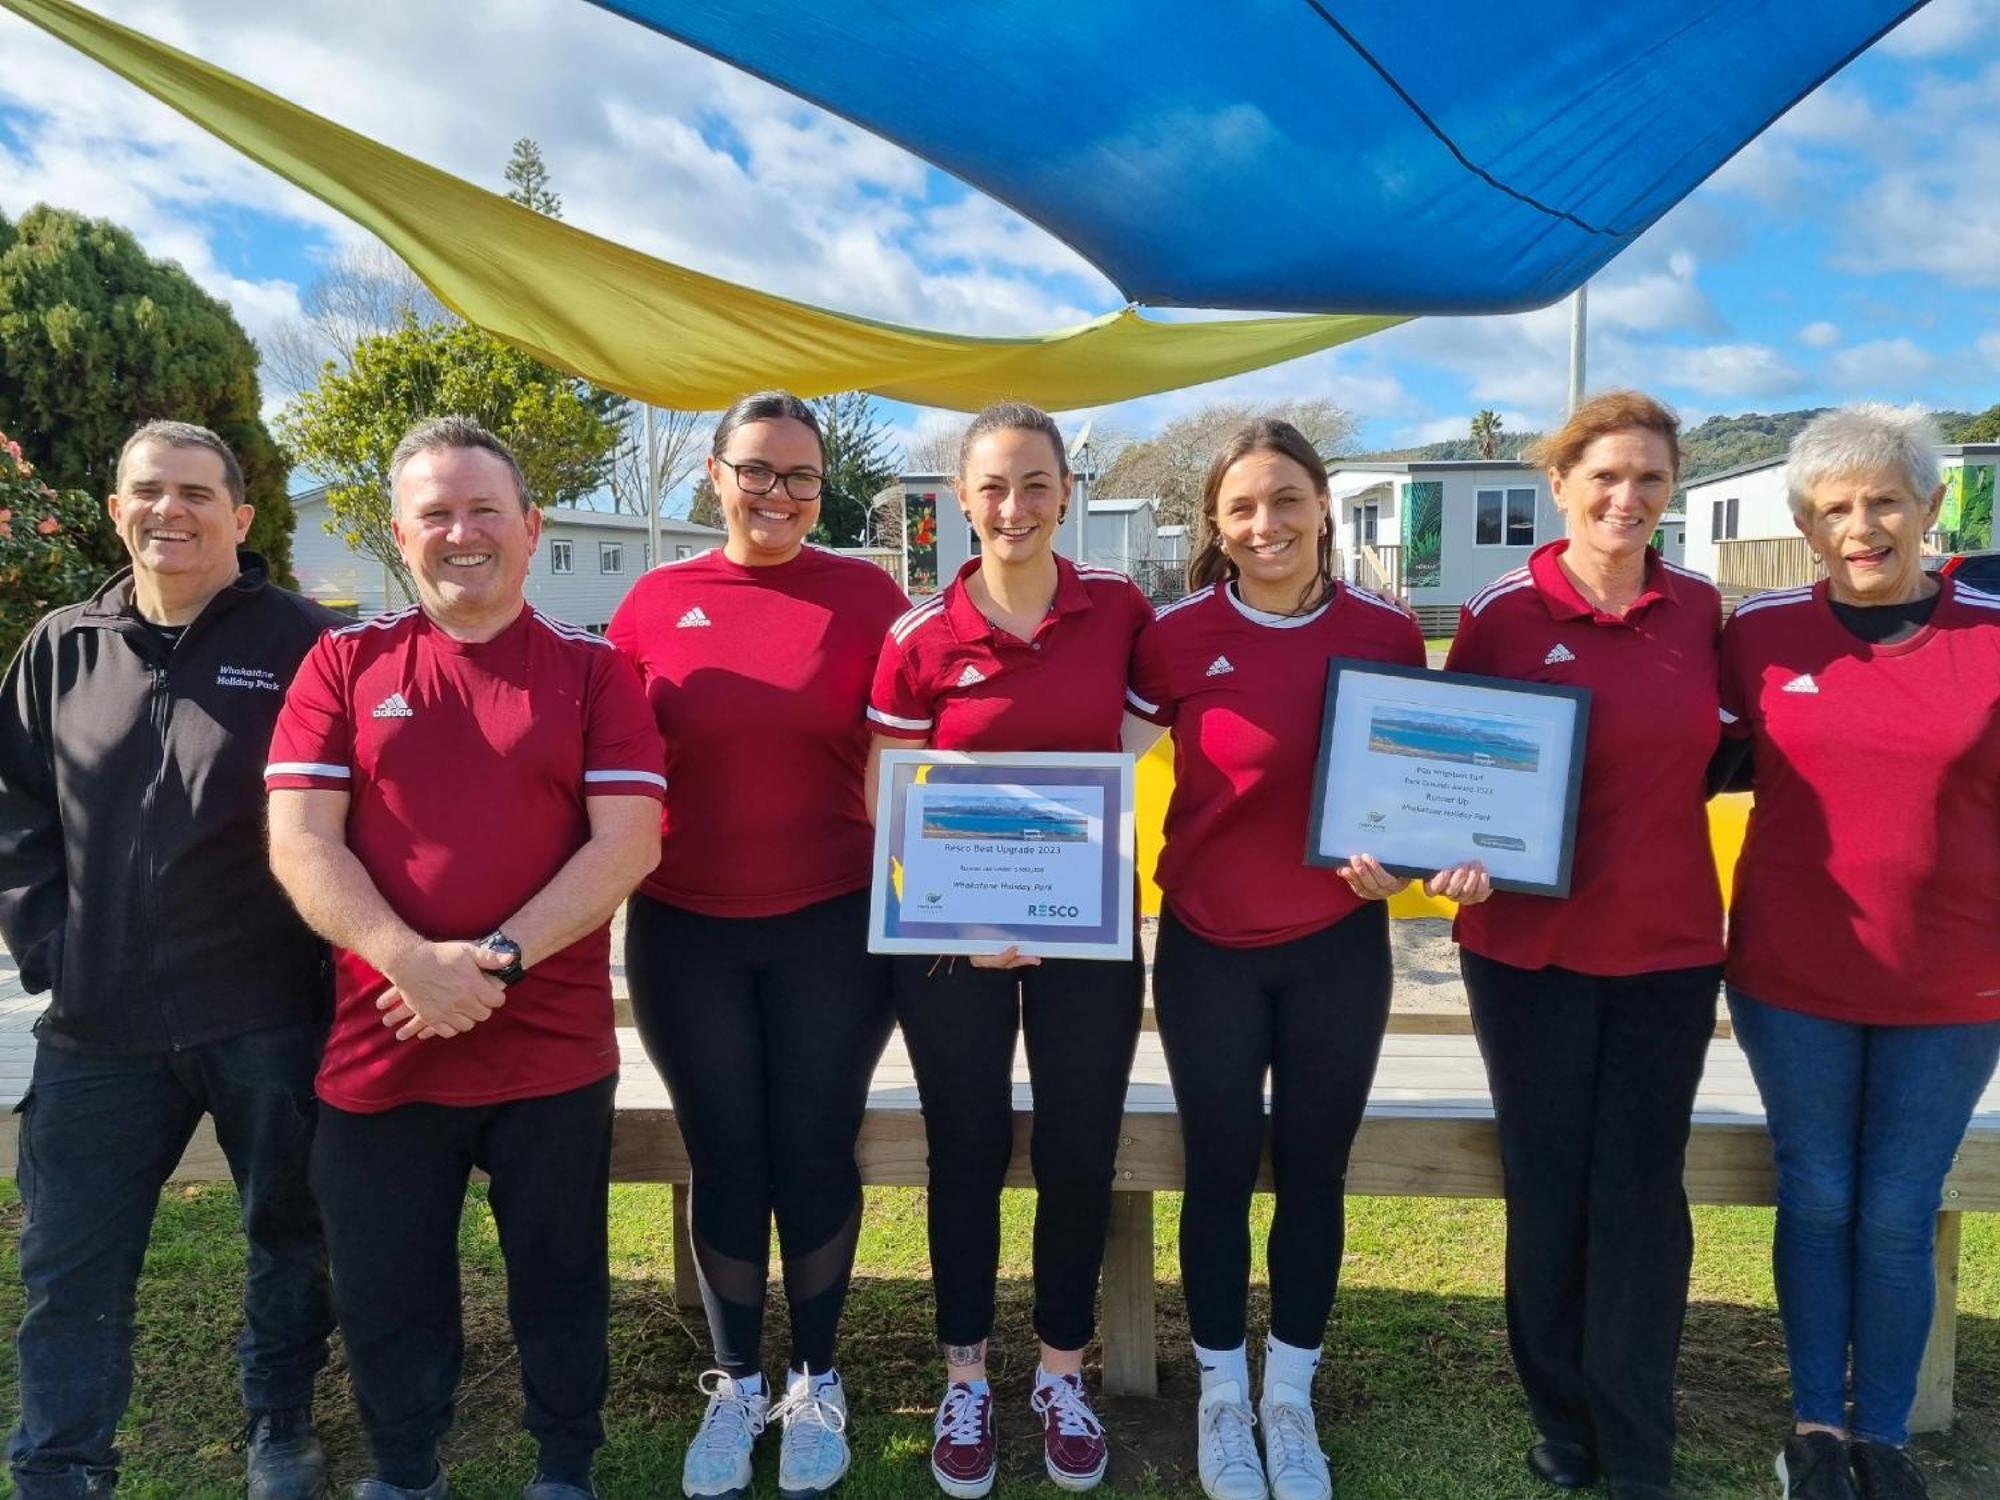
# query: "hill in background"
[[1711, 446]]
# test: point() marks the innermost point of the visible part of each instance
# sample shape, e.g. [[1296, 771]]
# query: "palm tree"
[[1486, 434]]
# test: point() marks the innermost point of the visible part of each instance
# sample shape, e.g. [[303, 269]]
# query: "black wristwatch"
[[498, 942]]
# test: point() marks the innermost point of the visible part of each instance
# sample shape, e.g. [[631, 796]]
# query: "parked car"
[[1980, 569]]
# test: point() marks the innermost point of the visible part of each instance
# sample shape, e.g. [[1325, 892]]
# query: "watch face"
[[505, 948]]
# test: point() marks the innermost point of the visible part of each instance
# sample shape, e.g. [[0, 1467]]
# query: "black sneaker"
[[1814, 1466], [1882, 1472], [283, 1456]]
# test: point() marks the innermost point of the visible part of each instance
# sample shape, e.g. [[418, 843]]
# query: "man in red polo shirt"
[[461, 794]]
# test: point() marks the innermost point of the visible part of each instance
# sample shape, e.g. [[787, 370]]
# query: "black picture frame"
[[1342, 670]]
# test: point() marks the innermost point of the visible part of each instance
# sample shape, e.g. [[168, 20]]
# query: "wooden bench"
[[1428, 1133]]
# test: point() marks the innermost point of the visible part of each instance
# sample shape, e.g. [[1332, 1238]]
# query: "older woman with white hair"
[[1864, 953]]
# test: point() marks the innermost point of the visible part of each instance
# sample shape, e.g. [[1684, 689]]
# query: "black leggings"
[[767, 1031], [1312, 1013], [1593, 1083], [1081, 1019]]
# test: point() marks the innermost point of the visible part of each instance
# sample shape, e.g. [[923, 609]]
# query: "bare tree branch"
[[367, 290], [680, 442]]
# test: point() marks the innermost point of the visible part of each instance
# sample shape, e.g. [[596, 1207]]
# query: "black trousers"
[[1593, 1083], [1081, 1021], [392, 1186], [1311, 1014], [767, 1031]]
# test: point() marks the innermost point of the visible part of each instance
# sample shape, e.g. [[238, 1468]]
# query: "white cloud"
[[1943, 26], [1819, 335], [1989, 346], [980, 232], [1729, 371], [1884, 368]]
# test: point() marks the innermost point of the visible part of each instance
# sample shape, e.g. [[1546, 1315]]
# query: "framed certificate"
[[976, 853], [1425, 770]]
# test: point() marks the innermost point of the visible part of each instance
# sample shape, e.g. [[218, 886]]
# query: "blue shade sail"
[[1390, 156]]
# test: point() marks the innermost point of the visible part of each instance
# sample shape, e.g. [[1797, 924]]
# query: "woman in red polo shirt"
[[1265, 964], [1023, 651], [1594, 1012], [747, 947], [1864, 949]]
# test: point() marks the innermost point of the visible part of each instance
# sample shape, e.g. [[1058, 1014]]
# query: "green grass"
[[1417, 1397]]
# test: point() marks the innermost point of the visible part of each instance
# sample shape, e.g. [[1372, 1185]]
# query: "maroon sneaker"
[[1072, 1437], [966, 1455]]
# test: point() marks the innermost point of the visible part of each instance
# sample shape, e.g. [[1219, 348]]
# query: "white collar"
[[1265, 617]]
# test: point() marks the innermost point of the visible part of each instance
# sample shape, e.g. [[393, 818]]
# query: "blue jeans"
[[99, 1137], [1864, 1121]]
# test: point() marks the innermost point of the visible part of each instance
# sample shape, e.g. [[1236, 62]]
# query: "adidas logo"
[[692, 619], [1220, 667], [1802, 683], [395, 706], [1558, 653], [970, 676]]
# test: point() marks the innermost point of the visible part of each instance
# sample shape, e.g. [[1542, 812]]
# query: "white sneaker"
[[1224, 1446], [718, 1459], [813, 1456], [1292, 1455]]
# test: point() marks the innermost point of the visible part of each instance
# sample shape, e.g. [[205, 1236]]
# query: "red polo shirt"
[[758, 678], [949, 677], [1244, 692], [1869, 887], [467, 765], [1643, 890]]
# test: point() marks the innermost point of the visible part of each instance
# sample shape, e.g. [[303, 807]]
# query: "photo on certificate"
[[976, 853], [1426, 770]]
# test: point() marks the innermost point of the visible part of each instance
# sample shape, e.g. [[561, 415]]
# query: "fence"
[[1778, 562]]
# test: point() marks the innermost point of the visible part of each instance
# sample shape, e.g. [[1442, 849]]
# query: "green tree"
[[1984, 428], [528, 180], [97, 337], [346, 428], [861, 458], [705, 506], [51, 546], [1486, 434]]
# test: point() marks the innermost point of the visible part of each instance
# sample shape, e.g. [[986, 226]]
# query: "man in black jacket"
[[134, 885]]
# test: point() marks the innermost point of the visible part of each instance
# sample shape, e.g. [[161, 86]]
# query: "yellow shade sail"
[[650, 329]]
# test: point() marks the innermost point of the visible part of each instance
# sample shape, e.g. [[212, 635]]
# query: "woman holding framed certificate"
[[751, 981], [1266, 965], [1594, 1012], [1864, 950], [1023, 651]]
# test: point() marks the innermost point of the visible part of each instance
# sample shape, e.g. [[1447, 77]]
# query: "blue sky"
[[1853, 251]]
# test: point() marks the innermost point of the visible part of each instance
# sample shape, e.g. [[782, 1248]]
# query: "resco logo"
[[1050, 909]]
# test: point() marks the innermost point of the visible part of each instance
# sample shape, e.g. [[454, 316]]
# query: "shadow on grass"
[[1417, 1399]]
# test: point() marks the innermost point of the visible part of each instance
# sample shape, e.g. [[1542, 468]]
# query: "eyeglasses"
[[761, 479]]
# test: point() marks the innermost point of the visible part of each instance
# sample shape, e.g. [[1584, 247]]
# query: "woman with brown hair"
[[1266, 965], [752, 984], [1594, 1012], [1023, 651]]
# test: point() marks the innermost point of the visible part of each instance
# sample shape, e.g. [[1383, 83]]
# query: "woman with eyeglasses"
[[746, 949]]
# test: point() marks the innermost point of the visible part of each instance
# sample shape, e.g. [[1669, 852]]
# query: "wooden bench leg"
[[687, 1286], [1131, 1362], [1934, 1379]]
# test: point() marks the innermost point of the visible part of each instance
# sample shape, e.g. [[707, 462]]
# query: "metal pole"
[[652, 493], [1579, 317]]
